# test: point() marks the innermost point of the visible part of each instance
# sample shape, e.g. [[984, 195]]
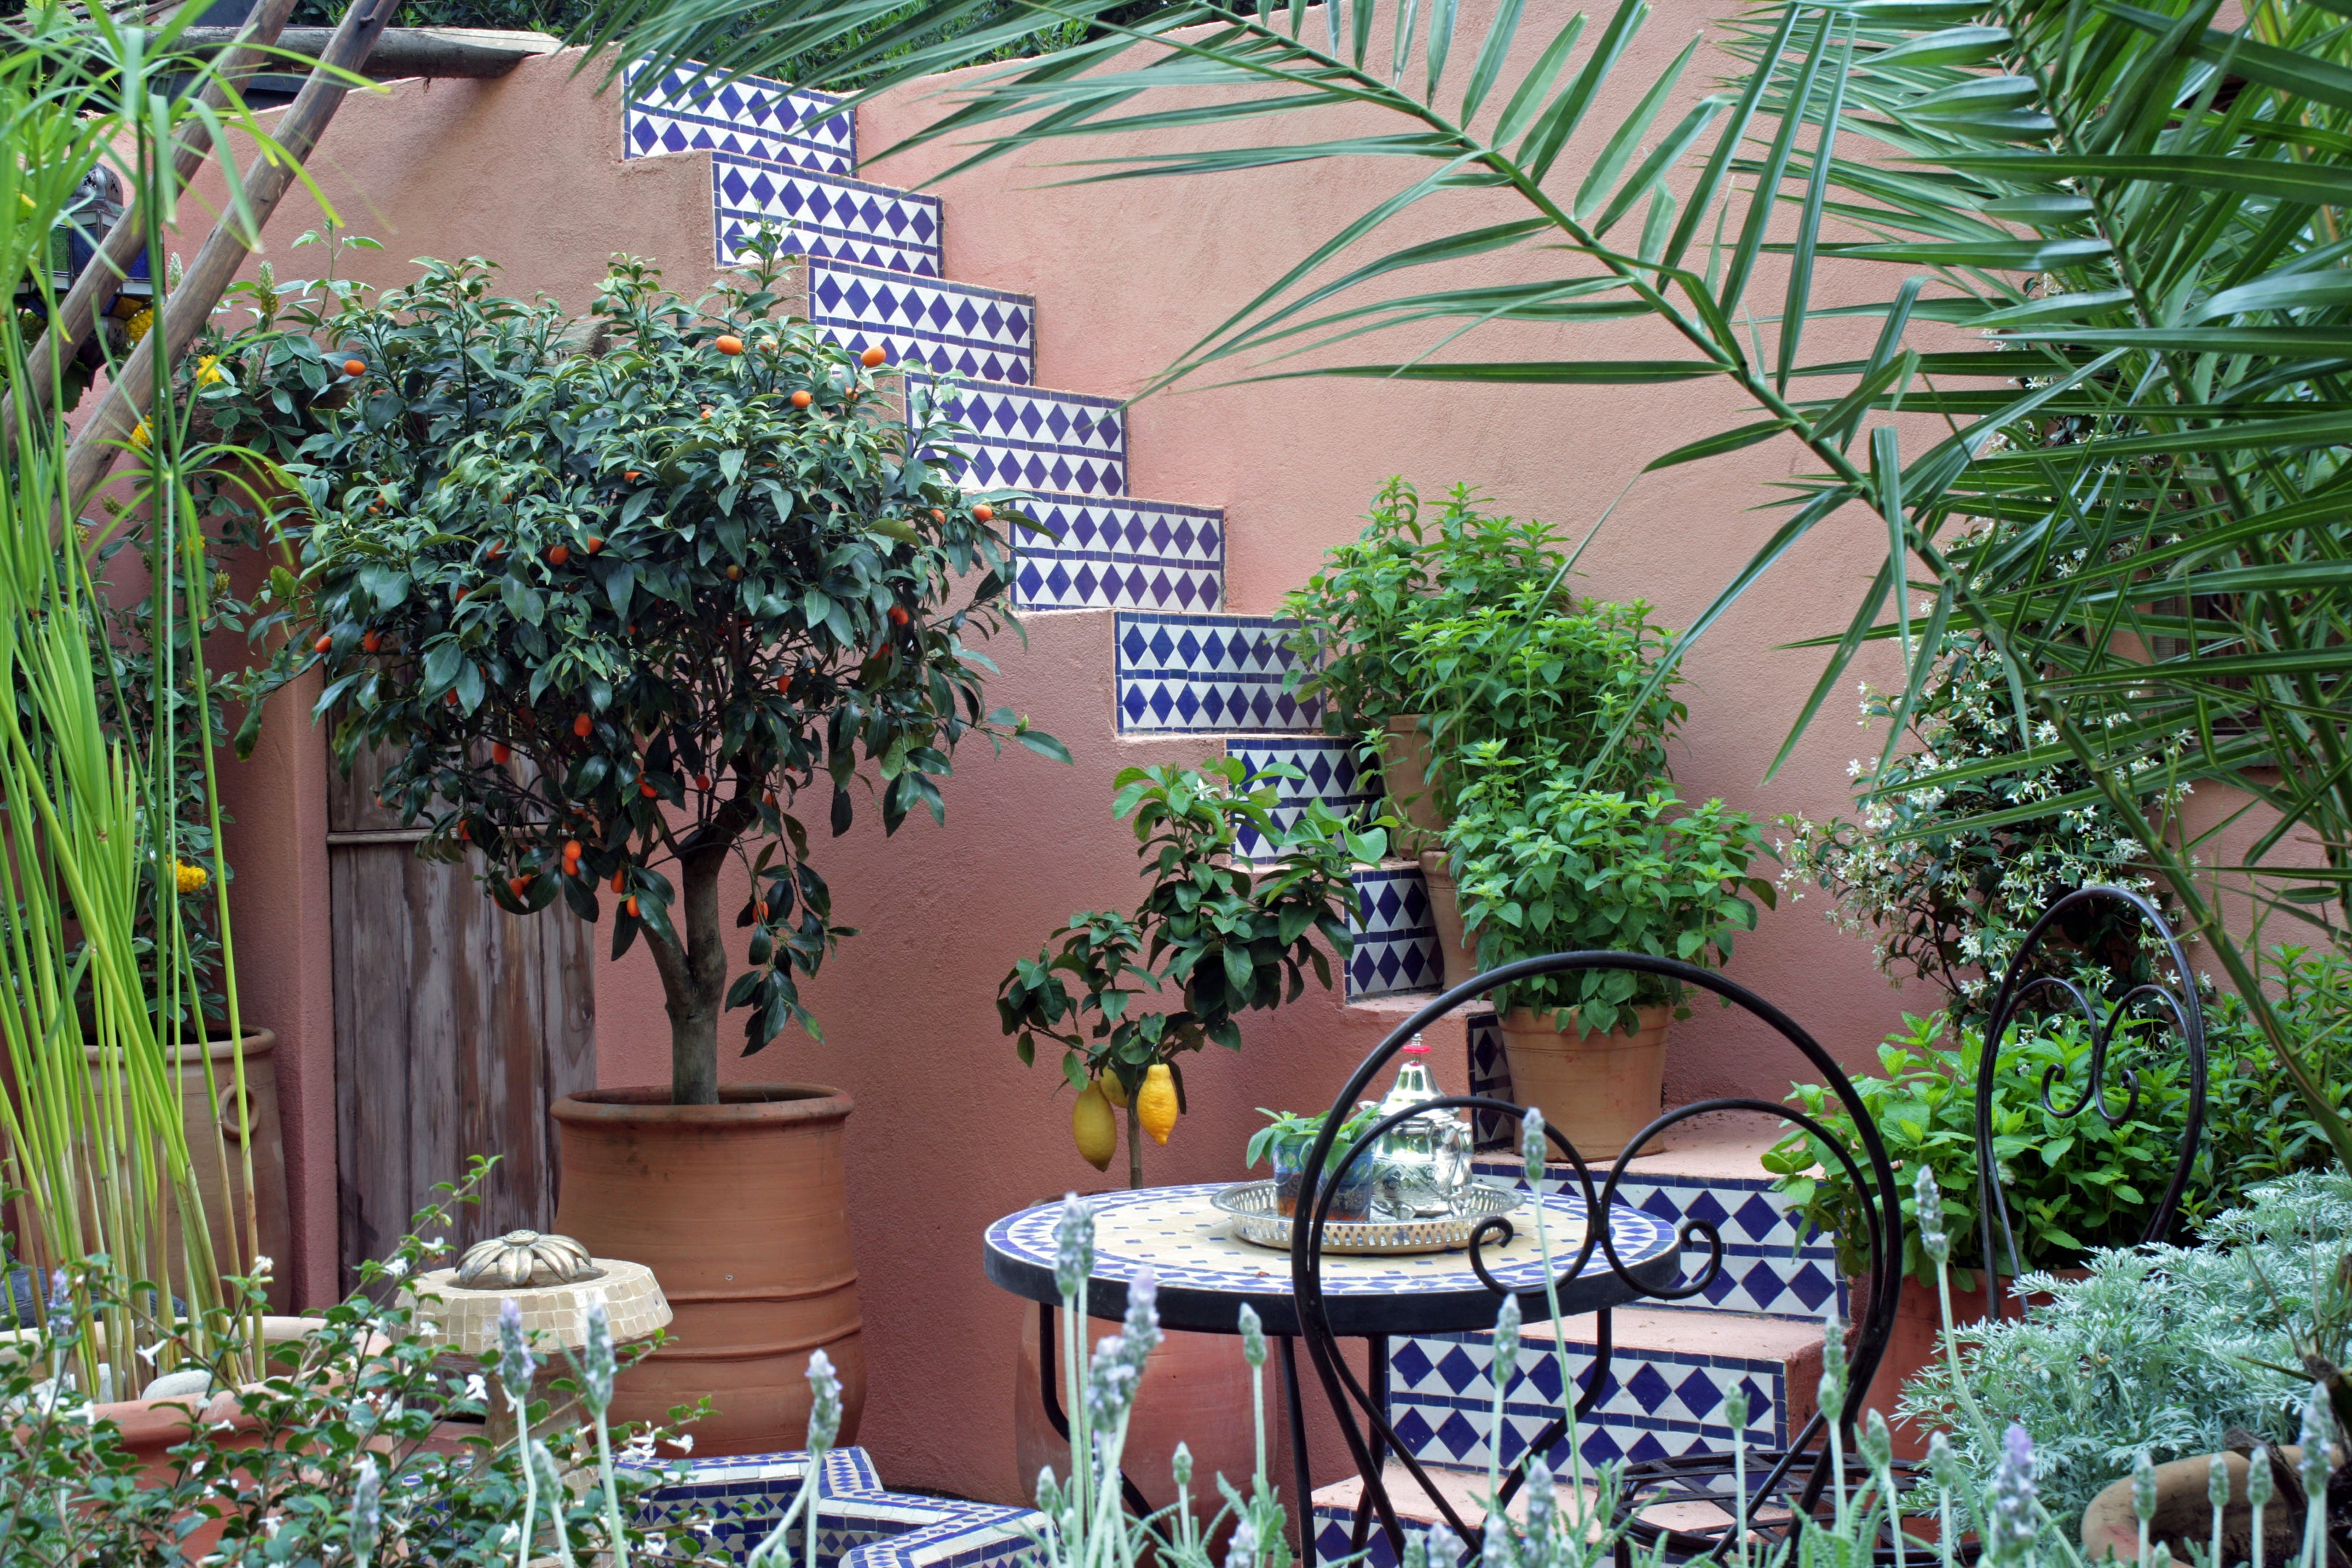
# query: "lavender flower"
[[1111, 1381], [2259, 1482], [1505, 1356], [1534, 1146], [1180, 1465], [2318, 1441], [367, 1511], [2217, 1482], [1928, 1209], [1243, 1553], [1141, 1331], [596, 1359], [1416, 1549], [516, 1364], [1444, 1547], [2144, 1486], [1543, 1503], [1942, 1464], [1074, 1245], [1878, 1445], [2011, 1524], [824, 1401], [1253, 1336], [1735, 1410], [1833, 1367]]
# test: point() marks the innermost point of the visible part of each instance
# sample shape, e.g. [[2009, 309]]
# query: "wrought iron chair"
[[1370, 1445]]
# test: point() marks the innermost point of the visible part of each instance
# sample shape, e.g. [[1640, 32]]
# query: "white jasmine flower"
[[683, 1442]]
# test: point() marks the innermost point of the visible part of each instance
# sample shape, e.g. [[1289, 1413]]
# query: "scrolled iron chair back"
[[2019, 982], [1880, 1200]]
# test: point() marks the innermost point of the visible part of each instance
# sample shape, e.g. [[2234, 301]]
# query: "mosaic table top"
[[1205, 1272]]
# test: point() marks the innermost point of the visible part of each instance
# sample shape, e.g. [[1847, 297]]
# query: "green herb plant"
[[1288, 1129], [1224, 935], [1547, 865]]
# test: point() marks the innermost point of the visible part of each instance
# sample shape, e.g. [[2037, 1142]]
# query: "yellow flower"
[[191, 879], [208, 371], [136, 327], [139, 436]]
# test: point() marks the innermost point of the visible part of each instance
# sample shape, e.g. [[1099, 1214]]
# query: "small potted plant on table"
[[1285, 1139]]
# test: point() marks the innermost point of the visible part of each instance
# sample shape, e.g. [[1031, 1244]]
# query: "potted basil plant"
[[1548, 864], [1287, 1138]]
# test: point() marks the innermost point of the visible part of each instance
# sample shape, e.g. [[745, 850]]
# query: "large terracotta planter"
[[740, 1211], [1919, 1340], [1598, 1091], [2184, 1515], [1195, 1391], [1405, 767], [205, 1106], [1457, 955]]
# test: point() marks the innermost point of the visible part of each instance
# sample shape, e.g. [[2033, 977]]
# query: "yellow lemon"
[[1095, 1128], [1112, 1091], [1155, 1102]]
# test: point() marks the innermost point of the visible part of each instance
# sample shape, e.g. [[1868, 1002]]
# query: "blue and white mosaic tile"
[[1206, 673], [979, 334], [1395, 933], [750, 118], [1773, 1263], [1659, 1403], [1490, 1076], [1332, 774], [822, 217], [860, 1525], [1031, 440], [1119, 555]]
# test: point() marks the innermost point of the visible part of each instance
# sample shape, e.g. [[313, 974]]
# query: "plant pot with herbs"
[[617, 610], [1548, 864], [1287, 1140]]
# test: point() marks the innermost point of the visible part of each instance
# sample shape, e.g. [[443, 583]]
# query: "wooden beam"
[[475, 52]]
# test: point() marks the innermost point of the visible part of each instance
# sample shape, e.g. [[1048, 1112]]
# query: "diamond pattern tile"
[[1025, 439], [1395, 933], [1332, 774], [979, 334], [1768, 1268], [860, 1525], [752, 118], [822, 216], [1206, 674], [1442, 1401], [1118, 555]]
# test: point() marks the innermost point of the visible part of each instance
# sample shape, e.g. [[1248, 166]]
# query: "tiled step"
[[1710, 1172], [825, 217], [1396, 934], [1024, 438], [1119, 554], [1669, 1373], [980, 335], [1207, 675], [1335, 1510], [751, 118], [1333, 773]]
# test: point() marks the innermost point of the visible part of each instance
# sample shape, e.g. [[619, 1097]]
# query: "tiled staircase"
[[1185, 665]]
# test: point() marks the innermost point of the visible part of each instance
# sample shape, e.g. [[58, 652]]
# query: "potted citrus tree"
[[620, 599], [1550, 864]]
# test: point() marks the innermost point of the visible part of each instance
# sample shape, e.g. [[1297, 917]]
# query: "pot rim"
[[739, 1105], [1537, 1021], [254, 1043]]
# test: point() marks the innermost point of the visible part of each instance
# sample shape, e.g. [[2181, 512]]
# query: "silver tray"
[[1254, 1220]]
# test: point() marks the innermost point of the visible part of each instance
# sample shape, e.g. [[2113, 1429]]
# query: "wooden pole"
[[440, 52], [123, 242], [181, 312]]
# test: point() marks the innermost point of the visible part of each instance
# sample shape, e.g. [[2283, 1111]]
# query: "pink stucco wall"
[[950, 1131]]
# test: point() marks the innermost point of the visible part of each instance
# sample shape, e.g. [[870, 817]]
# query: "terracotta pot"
[[1195, 1391], [1919, 1340], [204, 1107], [151, 1428], [1598, 1091], [2184, 1515], [740, 1211], [1457, 955], [1405, 767]]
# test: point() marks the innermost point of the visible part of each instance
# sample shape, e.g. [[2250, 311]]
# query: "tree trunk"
[[694, 983]]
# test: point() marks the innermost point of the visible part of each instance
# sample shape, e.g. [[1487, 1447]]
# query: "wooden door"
[[456, 1026]]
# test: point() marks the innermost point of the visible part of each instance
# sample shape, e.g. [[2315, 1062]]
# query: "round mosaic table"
[[1205, 1272]]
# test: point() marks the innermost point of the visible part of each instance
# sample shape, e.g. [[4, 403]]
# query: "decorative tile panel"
[[1395, 933], [1490, 1076], [1334, 774], [860, 1525], [1031, 440], [823, 216], [750, 118], [1659, 1404], [980, 335], [1773, 1263], [1119, 554], [1206, 674]]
